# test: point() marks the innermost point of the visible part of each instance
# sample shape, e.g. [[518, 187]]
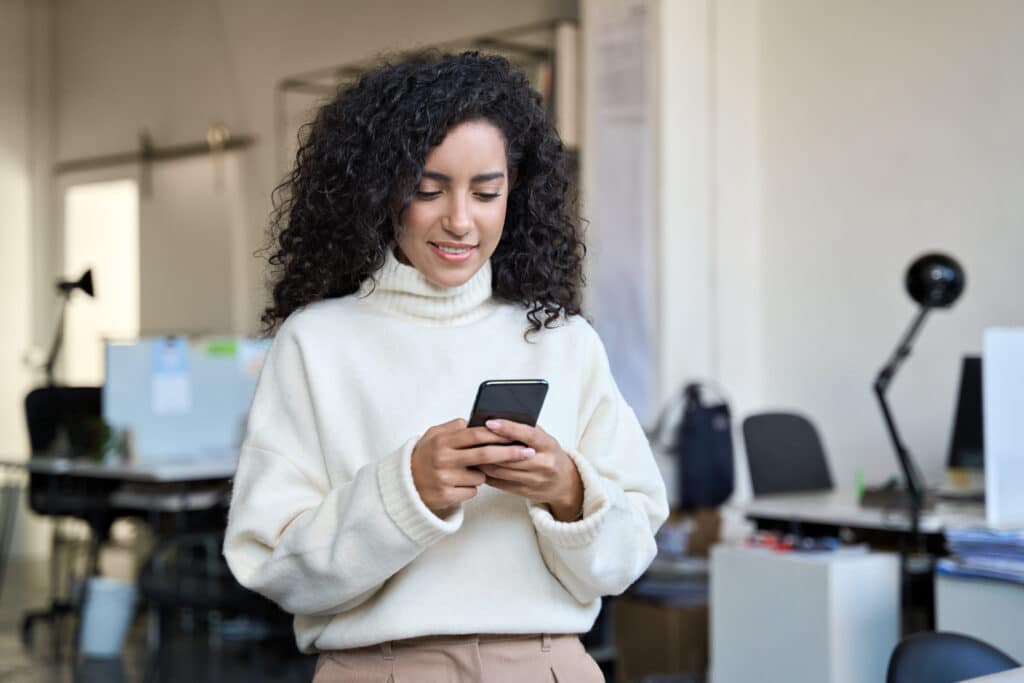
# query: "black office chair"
[[785, 454], [188, 572], [944, 658], [65, 421]]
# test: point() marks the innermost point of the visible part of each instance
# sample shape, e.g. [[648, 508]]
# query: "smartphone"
[[516, 400]]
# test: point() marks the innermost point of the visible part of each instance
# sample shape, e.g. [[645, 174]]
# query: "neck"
[[402, 290]]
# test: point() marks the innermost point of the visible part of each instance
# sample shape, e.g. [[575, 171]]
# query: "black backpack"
[[702, 448]]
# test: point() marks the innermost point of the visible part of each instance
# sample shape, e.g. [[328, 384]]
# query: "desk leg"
[[153, 631], [153, 611]]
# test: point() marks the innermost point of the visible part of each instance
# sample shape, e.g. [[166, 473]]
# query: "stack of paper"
[[985, 553]]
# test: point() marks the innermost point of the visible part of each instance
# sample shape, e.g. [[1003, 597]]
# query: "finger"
[[510, 475], [489, 455], [467, 477], [473, 436], [449, 426], [509, 486], [529, 464], [460, 494], [516, 431]]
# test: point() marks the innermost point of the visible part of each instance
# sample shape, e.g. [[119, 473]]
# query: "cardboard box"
[[705, 532], [690, 533], [658, 639]]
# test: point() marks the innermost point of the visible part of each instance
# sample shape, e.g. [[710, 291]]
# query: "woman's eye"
[[488, 196], [422, 194]]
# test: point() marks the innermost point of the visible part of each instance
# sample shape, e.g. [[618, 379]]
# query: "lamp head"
[[83, 283], [935, 280]]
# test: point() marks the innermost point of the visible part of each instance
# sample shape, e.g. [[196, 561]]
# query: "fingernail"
[[527, 452], [493, 424]]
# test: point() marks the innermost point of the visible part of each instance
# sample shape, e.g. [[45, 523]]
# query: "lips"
[[452, 252]]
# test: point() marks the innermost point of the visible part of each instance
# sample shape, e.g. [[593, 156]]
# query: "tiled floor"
[[187, 658]]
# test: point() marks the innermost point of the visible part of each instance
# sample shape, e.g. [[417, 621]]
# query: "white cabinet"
[[989, 610], [802, 617]]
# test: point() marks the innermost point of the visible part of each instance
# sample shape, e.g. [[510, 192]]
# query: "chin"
[[449, 279], [447, 275]]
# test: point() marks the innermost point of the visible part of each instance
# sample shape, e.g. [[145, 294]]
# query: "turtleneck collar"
[[402, 290]]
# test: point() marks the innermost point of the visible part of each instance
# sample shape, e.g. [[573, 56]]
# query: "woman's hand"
[[546, 475], [444, 462]]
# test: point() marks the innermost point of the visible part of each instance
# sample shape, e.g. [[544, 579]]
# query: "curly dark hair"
[[361, 158]]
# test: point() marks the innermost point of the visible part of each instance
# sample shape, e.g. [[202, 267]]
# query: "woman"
[[425, 242]]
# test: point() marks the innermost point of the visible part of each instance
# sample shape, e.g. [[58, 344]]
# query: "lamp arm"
[[915, 485], [58, 340]]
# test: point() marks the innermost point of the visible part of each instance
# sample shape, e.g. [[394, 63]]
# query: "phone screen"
[[516, 400]]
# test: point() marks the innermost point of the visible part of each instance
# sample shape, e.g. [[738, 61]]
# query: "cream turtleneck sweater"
[[325, 518]]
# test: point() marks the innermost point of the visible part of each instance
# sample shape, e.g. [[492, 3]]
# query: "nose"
[[459, 223]]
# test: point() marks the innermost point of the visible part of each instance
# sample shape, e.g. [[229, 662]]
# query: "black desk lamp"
[[933, 281], [64, 288]]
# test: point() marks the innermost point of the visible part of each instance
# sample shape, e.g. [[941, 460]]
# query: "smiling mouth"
[[453, 249], [450, 248]]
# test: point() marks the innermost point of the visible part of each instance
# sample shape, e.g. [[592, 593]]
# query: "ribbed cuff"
[[595, 507], [403, 503]]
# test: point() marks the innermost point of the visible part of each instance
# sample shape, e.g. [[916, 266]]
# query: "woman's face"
[[453, 223]]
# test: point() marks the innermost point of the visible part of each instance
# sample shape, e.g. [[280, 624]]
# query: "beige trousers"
[[463, 659]]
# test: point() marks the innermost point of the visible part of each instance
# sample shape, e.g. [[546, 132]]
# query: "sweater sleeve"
[[312, 545], [624, 500]]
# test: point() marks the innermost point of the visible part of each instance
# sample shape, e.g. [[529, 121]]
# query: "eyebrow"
[[481, 178]]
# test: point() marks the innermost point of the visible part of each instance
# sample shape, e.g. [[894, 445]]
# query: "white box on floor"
[[1002, 387], [802, 617], [986, 609]]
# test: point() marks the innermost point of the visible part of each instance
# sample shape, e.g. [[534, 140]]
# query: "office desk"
[[841, 509], [153, 486], [148, 489], [192, 470], [829, 514]]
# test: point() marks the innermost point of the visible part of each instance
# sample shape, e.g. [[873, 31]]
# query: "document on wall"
[[621, 197], [171, 381]]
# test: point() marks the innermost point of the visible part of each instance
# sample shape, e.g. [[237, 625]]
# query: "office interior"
[[784, 163]]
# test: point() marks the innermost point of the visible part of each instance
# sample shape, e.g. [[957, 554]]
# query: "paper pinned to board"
[[222, 346], [172, 395], [171, 384]]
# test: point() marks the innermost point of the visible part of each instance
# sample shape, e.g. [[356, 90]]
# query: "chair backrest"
[[784, 454], [944, 658], [75, 411], [64, 421]]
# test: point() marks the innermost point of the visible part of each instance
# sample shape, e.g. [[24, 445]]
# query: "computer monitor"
[[967, 444]]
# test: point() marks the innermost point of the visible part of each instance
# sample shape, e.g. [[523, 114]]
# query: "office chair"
[[65, 421], [944, 658], [187, 571], [784, 454]]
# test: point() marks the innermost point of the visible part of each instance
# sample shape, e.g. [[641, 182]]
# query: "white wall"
[[822, 145], [176, 68], [15, 212], [811, 149], [17, 155], [83, 79], [887, 129]]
